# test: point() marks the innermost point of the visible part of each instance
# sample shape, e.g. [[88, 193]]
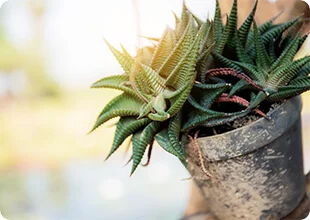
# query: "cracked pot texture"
[[257, 170]]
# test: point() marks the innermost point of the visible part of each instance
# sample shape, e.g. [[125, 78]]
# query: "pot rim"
[[255, 135]]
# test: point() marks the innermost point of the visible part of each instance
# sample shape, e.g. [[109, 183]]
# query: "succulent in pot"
[[155, 85], [218, 97], [246, 171]]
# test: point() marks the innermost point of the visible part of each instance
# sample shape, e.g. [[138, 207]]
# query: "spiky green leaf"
[[180, 49], [262, 58], [252, 71], [300, 81], [182, 24], [164, 47], [229, 29], [122, 105], [240, 51], [288, 53], [239, 86], [278, 30], [245, 28], [286, 93], [140, 141], [163, 140], [124, 128], [174, 130], [224, 61], [122, 59], [218, 24], [283, 74], [115, 82]]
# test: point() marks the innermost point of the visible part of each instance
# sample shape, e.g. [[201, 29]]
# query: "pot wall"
[[259, 180]]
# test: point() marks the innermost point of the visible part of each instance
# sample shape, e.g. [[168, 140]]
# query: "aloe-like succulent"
[[211, 87], [262, 58], [266, 55], [181, 81], [155, 85]]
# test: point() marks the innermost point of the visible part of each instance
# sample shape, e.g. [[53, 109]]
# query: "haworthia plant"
[[181, 82], [156, 83], [261, 58], [266, 55]]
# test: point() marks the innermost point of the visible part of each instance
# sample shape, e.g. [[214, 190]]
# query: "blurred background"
[[51, 51]]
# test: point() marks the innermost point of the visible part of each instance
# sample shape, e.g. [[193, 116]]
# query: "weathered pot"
[[257, 170]]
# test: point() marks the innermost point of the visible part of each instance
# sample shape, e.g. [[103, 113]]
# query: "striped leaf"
[[229, 29], [174, 130], [116, 82], [262, 58], [124, 128], [140, 141], [245, 28], [123, 105]]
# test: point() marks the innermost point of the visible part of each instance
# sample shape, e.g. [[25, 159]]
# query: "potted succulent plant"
[[220, 98]]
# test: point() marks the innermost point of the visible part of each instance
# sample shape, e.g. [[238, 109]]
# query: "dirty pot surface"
[[257, 170]]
